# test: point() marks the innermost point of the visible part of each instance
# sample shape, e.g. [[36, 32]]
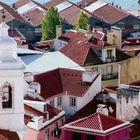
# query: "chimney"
[[58, 31], [114, 36], [101, 108], [88, 76]]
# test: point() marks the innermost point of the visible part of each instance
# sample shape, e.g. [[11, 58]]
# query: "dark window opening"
[[7, 97]]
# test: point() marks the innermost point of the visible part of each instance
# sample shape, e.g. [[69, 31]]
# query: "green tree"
[[49, 22], [82, 22]]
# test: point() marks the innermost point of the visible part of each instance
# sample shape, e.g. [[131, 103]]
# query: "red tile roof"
[[97, 121], [8, 135], [52, 112], [67, 14], [27, 118], [34, 111], [20, 3], [57, 81], [98, 124], [50, 82], [30, 16], [110, 14], [53, 3], [10, 13]]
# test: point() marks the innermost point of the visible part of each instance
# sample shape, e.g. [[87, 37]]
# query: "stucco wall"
[[129, 70]]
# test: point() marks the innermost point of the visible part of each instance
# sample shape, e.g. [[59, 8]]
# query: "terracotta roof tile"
[[20, 3], [53, 3], [110, 14], [10, 13], [64, 80], [8, 135], [31, 16], [34, 111], [50, 83], [67, 14], [97, 121], [52, 111]]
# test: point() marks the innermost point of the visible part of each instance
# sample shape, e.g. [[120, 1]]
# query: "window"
[[76, 136], [47, 134], [109, 53], [62, 122], [91, 137], [73, 101], [52, 102], [59, 101], [109, 70], [6, 96]]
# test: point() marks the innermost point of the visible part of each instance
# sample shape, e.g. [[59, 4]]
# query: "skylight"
[[26, 7], [96, 5], [62, 6]]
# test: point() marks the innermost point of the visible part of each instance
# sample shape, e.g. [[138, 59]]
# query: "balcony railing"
[[110, 76], [110, 60]]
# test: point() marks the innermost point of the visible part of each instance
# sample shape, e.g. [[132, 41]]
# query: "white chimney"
[[88, 76], [28, 77], [101, 108]]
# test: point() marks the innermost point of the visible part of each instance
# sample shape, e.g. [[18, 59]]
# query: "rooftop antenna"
[[3, 15]]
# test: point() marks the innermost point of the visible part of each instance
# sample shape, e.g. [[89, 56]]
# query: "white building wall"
[[125, 110], [82, 101], [16, 114]]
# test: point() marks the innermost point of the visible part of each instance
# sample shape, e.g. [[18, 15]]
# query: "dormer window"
[[6, 96]]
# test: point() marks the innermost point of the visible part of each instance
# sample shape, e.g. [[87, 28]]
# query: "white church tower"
[[11, 84]]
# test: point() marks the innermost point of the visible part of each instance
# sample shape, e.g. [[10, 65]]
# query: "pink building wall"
[[118, 135], [32, 134]]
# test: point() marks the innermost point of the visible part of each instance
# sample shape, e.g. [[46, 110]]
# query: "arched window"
[[6, 96]]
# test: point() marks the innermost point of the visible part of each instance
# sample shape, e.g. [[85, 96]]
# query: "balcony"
[[110, 60], [110, 76]]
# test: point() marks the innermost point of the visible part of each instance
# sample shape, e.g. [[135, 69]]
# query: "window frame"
[[72, 101]]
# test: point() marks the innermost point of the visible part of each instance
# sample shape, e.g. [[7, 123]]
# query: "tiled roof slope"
[[10, 13], [110, 14], [67, 14], [120, 55], [8, 135], [52, 111], [97, 121], [50, 82], [80, 47], [31, 16], [57, 81], [53, 3], [20, 3]]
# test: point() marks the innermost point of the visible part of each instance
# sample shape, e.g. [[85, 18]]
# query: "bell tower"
[[11, 84]]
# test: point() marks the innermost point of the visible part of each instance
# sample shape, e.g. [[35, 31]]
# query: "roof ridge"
[[100, 121]]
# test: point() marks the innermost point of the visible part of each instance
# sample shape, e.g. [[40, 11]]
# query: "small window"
[[73, 101], [52, 102], [109, 53], [47, 134], [62, 122], [59, 101], [6, 96]]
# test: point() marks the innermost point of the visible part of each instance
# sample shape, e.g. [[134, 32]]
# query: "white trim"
[[95, 130]]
